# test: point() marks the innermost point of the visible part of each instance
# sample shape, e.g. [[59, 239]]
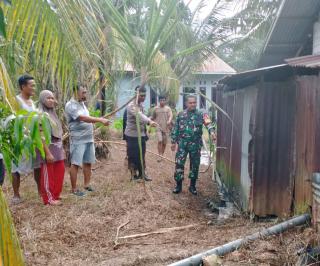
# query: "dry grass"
[[82, 231]]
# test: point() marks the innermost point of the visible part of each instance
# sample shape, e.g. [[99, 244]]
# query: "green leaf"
[[7, 162], [33, 127], [2, 24], [18, 130], [46, 128], [38, 143]]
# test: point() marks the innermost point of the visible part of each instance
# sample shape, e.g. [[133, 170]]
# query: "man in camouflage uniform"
[[186, 138]]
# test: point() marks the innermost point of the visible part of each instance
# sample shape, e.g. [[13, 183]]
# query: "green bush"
[[117, 124]]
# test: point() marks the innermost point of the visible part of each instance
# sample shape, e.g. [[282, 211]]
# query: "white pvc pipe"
[[234, 245]]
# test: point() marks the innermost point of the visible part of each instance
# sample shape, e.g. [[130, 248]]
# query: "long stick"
[[120, 143], [161, 231], [65, 136], [120, 108], [169, 160], [117, 235]]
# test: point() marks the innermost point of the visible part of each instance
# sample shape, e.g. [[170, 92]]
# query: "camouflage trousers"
[[194, 151]]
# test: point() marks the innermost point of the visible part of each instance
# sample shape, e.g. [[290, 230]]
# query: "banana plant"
[[19, 134]]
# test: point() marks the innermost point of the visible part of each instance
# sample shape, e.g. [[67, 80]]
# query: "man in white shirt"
[[25, 166]]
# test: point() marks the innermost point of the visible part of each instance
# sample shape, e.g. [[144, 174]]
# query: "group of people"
[[186, 133], [49, 171]]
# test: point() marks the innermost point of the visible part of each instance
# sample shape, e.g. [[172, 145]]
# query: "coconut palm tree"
[[34, 40], [247, 29]]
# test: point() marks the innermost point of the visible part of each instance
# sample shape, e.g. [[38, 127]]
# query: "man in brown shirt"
[[162, 115]]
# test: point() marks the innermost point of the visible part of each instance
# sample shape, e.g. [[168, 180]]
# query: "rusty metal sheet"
[[306, 134], [311, 61], [236, 148], [224, 131], [247, 78], [316, 167], [229, 140], [272, 187]]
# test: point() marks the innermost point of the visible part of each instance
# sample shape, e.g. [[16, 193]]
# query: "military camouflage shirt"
[[188, 126]]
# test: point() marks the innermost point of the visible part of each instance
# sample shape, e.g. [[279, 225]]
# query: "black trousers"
[[133, 153], [1, 172]]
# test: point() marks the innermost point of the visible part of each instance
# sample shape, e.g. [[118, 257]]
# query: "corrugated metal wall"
[[272, 185], [230, 141], [307, 138], [284, 122]]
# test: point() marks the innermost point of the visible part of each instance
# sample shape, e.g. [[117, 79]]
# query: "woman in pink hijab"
[[52, 167]]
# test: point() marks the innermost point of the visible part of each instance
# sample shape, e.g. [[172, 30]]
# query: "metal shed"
[[268, 153]]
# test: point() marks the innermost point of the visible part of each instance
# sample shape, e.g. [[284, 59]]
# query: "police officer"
[[186, 138]]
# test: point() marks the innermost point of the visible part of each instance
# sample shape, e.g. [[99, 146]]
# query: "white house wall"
[[126, 84], [207, 81], [125, 89]]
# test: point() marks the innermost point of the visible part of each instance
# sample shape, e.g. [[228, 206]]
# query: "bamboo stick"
[[160, 231]]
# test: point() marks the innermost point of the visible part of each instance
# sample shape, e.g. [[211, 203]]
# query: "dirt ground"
[[82, 231]]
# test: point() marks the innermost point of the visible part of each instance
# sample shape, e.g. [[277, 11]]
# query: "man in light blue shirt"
[[82, 151]]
